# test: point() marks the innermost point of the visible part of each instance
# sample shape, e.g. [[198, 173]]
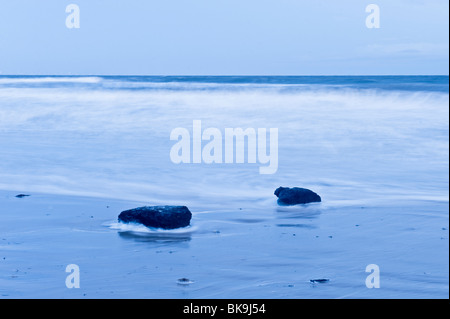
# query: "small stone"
[[22, 195], [320, 281], [184, 281]]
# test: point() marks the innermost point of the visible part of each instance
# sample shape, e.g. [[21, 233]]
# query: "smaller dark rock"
[[166, 217], [184, 281], [320, 281], [295, 195], [22, 195]]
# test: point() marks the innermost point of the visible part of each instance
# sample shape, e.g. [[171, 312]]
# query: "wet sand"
[[238, 250]]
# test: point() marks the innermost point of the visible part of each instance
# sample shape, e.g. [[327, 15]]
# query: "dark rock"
[[22, 195], [296, 195], [166, 217], [320, 281], [184, 281]]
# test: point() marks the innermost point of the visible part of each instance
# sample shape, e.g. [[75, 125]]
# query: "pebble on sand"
[[22, 195]]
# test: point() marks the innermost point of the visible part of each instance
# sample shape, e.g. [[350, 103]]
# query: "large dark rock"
[[296, 195], [167, 217]]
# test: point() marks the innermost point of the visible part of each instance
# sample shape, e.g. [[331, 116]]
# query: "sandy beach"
[[240, 251]]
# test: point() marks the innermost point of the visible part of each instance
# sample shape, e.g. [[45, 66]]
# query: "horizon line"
[[221, 75]]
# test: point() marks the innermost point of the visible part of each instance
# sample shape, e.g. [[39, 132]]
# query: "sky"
[[224, 37]]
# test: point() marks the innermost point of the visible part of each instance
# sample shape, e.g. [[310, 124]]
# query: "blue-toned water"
[[376, 148], [110, 136], [403, 83]]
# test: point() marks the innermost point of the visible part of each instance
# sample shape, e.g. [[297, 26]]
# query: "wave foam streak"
[[115, 142]]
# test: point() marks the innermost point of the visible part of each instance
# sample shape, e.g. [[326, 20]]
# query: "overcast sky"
[[224, 37]]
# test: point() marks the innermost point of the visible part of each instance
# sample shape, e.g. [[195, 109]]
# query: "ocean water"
[[110, 136], [376, 148]]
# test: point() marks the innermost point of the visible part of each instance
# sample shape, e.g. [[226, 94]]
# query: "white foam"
[[32, 80], [115, 143], [139, 228]]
